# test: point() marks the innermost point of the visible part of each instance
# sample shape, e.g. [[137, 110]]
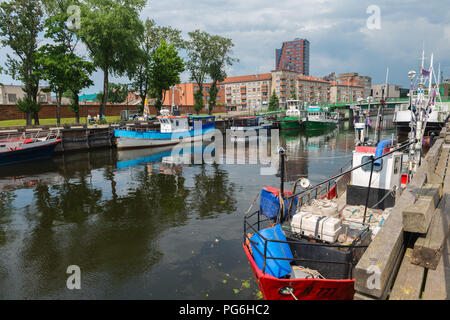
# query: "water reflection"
[[141, 223]]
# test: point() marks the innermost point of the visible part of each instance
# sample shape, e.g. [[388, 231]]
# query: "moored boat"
[[27, 147], [173, 130], [305, 245], [320, 118], [295, 116], [245, 127]]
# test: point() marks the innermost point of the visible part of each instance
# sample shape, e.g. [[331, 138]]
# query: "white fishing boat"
[[427, 90]]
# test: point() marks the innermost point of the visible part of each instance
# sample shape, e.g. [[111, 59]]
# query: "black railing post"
[[368, 189]]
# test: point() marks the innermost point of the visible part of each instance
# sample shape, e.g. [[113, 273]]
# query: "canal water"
[[140, 225]]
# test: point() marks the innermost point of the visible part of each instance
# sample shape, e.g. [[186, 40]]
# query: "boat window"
[[397, 165], [368, 166], [177, 123]]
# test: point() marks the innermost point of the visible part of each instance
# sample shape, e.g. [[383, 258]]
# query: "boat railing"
[[320, 190], [253, 228]]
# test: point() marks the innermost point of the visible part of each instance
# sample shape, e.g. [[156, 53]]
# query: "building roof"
[[253, 77], [89, 97], [346, 84], [310, 78]]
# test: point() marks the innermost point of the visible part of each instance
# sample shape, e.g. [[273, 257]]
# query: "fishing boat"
[[295, 116], [320, 118], [304, 245], [245, 127], [173, 130], [25, 147], [426, 90]]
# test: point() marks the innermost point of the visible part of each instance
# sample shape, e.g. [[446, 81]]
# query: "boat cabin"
[[386, 177], [171, 124], [246, 122], [294, 108]]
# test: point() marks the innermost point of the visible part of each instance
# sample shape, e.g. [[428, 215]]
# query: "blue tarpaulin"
[[274, 267], [269, 204]]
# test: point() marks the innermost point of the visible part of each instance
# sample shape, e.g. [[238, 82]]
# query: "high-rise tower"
[[294, 56]]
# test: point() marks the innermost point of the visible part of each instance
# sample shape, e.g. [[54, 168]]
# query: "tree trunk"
[[77, 108], [29, 118], [36, 118], [105, 92], [58, 108]]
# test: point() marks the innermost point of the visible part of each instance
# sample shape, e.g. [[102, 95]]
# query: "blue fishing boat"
[[173, 130]]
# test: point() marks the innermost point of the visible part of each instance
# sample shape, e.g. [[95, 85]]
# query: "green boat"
[[295, 116], [320, 118]]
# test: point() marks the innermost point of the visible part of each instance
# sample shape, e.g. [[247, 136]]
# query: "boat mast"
[[422, 104], [380, 110]]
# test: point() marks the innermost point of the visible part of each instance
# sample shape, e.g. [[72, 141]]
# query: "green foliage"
[[61, 67], [117, 93], [274, 102], [111, 30], [20, 24], [198, 98], [29, 107], [208, 55], [141, 75], [165, 69]]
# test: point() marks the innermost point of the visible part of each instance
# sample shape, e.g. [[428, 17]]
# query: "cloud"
[[337, 30]]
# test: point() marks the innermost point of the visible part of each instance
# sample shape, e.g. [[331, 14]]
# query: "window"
[[12, 98], [397, 165], [368, 166]]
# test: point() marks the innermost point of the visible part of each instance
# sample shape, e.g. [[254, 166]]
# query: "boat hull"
[[303, 289], [42, 150], [129, 140], [319, 125], [291, 123]]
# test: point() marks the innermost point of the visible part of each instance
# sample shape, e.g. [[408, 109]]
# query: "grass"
[[22, 122]]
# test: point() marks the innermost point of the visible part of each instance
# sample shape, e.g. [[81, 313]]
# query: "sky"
[[345, 35]]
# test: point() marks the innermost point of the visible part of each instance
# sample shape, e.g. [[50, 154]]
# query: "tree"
[[111, 30], [220, 58], [28, 106], [150, 41], [61, 67], [165, 69], [274, 103], [20, 24], [199, 61]]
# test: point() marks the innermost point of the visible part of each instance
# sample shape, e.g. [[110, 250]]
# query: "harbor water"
[[139, 225]]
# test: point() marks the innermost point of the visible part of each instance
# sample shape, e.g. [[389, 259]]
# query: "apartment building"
[[356, 79], [345, 91], [10, 94], [250, 92], [183, 95], [293, 56], [313, 90]]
